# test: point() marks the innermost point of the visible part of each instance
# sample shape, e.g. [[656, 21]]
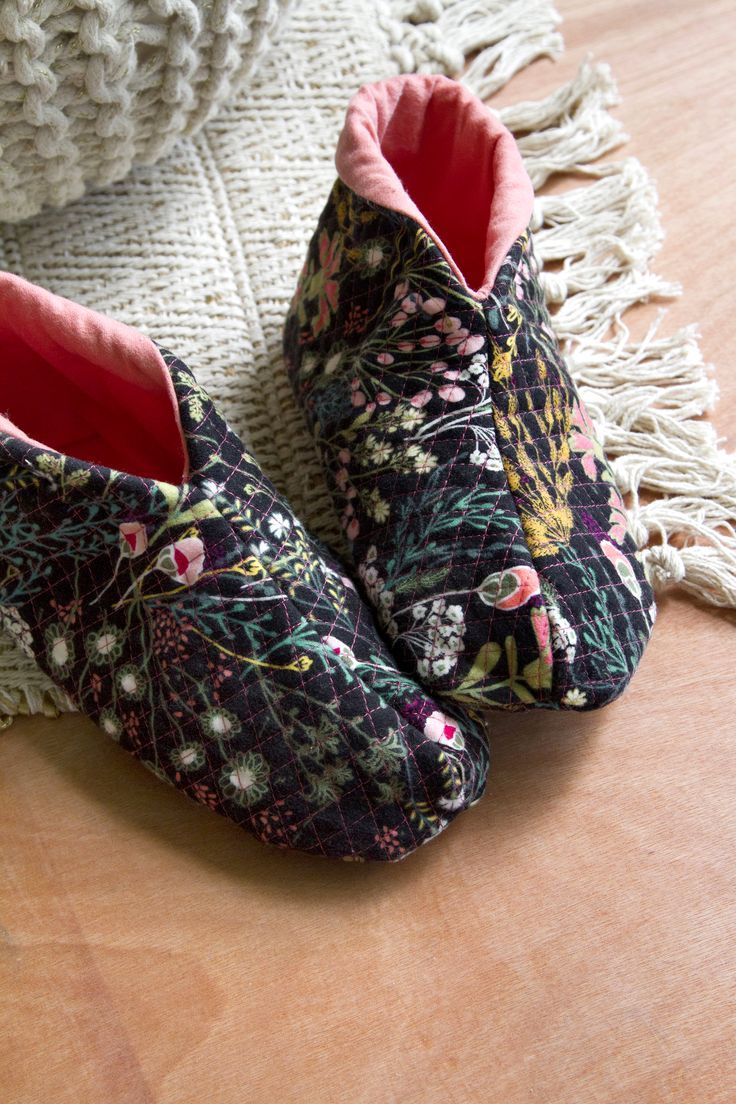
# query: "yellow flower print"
[[540, 482]]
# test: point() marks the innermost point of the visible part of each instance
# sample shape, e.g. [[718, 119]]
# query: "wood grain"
[[570, 940]]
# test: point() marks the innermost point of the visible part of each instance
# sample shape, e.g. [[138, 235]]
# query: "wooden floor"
[[568, 941]]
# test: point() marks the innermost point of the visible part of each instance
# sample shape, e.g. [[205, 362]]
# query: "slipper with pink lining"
[[480, 513], [159, 579]]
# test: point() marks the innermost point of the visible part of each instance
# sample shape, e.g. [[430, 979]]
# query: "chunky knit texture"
[[88, 88]]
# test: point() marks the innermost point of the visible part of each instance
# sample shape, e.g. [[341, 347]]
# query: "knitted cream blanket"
[[202, 252]]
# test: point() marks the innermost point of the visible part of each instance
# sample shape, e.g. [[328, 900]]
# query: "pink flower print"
[[183, 560], [341, 478], [448, 324], [132, 726], [541, 626], [344, 456], [388, 841], [580, 442], [357, 397], [341, 650], [457, 337], [274, 825], [617, 521], [434, 305], [623, 567], [405, 346], [421, 398], [349, 522], [439, 366], [471, 344], [204, 795], [583, 440], [382, 398], [519, 285], [451, 393], [133, 539], [401, 289], [410, 303], [357, 320], [385, 358], [68, 612], [509, 589], [442, 729], [95, 685], [326, 288], [429, 341]]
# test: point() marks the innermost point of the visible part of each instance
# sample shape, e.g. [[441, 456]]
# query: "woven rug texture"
[[202, 251]]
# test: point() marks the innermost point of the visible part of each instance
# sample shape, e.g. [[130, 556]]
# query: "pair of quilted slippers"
[[160, 579]]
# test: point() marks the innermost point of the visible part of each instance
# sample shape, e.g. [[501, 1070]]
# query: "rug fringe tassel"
[[647, 398], [595, 244], [569, 128], [602, 236], [483, 41], [28, 699]]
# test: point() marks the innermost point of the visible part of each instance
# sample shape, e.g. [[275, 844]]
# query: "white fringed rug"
[[202, 252]]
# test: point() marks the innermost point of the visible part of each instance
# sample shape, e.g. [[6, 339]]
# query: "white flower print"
[[309, 360], [442, 666], [260, 549], [104, 645], [575, 698], [452, 803], [332, 363], [219, 722], [374, 254], [440, 634], [110, 724], [211, 489], [188, 757], [279, 525], [564, 636], [380, 451], [421, 461], [488, 459], [244, 778], [411, 418], [377, 507], [131, 681]]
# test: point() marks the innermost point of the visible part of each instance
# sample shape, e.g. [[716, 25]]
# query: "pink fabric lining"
[[81, 384], [427, 147]]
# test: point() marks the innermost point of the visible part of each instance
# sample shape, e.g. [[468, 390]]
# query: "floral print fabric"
[[481, 517], [212, 637]]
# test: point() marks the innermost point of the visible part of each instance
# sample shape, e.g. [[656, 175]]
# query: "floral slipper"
[[481, 515], [161, 581]]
